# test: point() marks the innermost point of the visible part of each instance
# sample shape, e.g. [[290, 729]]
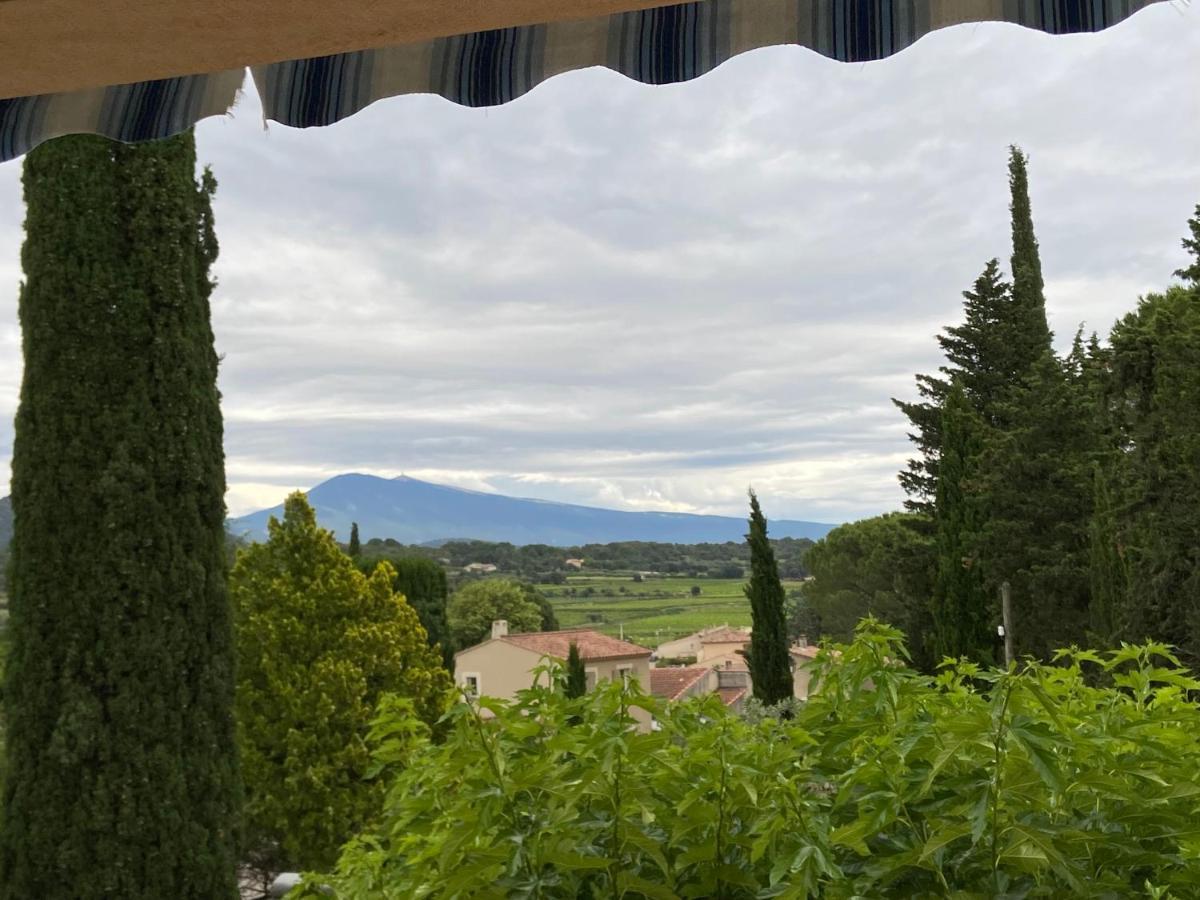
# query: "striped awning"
[[660, 45]]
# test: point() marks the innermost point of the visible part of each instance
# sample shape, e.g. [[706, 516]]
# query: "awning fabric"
[[662, 45]]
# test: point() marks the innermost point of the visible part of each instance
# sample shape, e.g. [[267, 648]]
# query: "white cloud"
[[654, 297]]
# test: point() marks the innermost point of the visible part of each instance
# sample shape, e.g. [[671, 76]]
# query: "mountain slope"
[[415, 512]]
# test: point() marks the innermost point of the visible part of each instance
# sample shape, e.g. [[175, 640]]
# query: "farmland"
[[650, 611]]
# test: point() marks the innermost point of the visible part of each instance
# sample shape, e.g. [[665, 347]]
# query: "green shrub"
[[1027, 783]]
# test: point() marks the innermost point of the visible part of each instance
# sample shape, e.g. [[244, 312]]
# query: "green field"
[[652, 611]]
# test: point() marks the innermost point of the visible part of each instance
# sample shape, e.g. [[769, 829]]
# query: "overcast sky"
[[651, 297]]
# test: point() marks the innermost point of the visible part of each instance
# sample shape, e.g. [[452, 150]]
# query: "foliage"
[[575, 679], [1153, 393], [422, 582], [354, 549], [121, 753], [477, 604], [961, 614], [767, 654], [549, 620], [1191, 273], [885, 784], [544, 564], [881, 567], [319, 644]]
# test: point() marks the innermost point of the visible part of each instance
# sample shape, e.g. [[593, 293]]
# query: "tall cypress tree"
[[121, 756], [768, 657], [1026, 330], [575, 684], [961, 612], [355, 548], [1003, 336]]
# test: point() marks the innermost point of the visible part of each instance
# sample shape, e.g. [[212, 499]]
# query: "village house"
[[573, 563], [676, 683], [503, 665], [722, 650]]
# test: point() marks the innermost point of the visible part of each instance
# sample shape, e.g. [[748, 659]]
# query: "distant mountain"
[[417, 512]]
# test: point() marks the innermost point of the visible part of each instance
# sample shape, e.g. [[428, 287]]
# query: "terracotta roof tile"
[[592, 644], [731, 695], [808, 652], [674, 681], [724, 635]]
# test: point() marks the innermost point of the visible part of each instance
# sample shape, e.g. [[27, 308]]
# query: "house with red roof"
[[504, 664]]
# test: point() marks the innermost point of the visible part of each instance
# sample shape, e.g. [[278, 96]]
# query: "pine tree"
[[1191, 273], [122, 776], [575, 684], [768, 655], [1004, 335], [961, 612], [979, 360], [355, 548]]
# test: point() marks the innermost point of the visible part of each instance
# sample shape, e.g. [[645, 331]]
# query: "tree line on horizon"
[[1072, 478]]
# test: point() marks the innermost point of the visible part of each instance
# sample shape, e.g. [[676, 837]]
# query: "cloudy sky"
[[651, 297]]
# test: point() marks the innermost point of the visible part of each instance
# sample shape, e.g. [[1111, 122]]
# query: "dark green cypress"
[[355, 548], [423, 583], [1108, 568], [121, 757], [575, 684], [768, 656], [962, 614], [1027, 332]]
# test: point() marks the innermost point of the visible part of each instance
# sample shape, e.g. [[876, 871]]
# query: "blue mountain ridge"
[[418, 512]]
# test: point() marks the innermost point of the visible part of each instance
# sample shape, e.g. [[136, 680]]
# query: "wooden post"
[[1006, 617]]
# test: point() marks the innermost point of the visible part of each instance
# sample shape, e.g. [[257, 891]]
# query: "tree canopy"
[[477, 604], [319, 645]]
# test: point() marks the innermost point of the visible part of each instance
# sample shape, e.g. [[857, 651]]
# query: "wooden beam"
[[47, 46]]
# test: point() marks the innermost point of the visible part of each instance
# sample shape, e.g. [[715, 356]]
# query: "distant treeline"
[[540, 562]]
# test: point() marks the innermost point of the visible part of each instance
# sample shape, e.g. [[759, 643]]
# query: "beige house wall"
[[502, 669], [681, 647], [715, 651]]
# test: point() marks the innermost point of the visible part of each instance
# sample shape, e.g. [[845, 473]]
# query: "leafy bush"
[[1029, 783]]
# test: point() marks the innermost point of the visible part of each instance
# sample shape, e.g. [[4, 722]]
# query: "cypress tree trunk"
[[770, 666], [122, 767]]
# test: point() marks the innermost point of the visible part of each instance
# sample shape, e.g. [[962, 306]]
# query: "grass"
[[651, 611]]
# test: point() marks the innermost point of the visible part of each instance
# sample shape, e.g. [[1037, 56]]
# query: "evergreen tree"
[[979, 359], [1003, 336], [1191, 273], [961, 612], [422, 582], [319, 645], [575, 684], [1153, 390], [1025, 330], [477, 604], [768, 656], [355, 548], [1036, 477], [122, 777], [1108, 568]]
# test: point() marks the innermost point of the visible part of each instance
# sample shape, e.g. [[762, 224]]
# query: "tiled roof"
[[673, 681], [724, 635], [592, 644], [731, 695]]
